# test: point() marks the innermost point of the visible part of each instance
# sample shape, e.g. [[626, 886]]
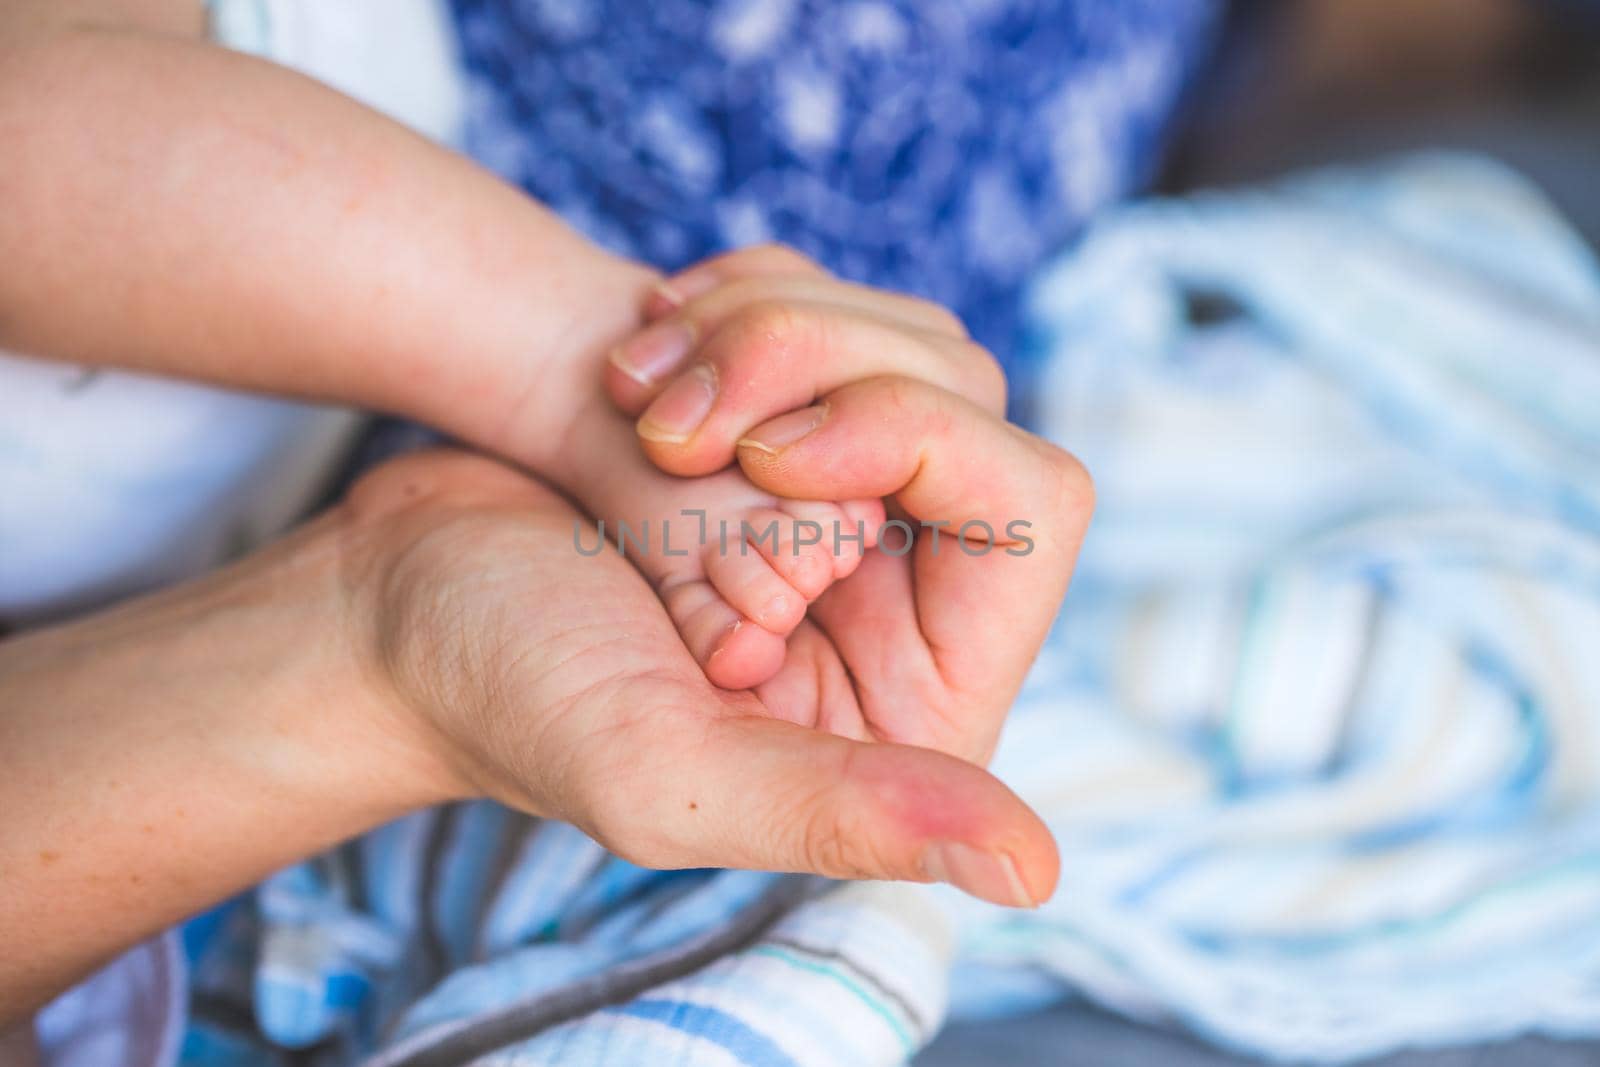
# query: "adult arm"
[[437, 635], [174, 207], [165, 754]]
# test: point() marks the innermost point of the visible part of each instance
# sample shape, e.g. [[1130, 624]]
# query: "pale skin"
[[171, 751], [435, 636], [178, 208]]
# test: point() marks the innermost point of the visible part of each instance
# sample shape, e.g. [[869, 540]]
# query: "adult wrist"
[[190, 743]]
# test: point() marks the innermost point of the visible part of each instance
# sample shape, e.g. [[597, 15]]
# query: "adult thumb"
[[758, 793]]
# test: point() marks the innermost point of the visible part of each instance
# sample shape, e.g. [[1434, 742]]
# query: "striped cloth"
[[472, 934], [1319, 732]]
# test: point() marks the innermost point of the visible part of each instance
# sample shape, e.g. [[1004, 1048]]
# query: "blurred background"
[[1305, 83]]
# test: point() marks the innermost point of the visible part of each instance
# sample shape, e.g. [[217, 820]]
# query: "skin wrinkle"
[[936, 659], [788, 335], [632, 826], [449, 613], [499, 708], [839, 679], [834, 841], [940, 423], [446, 671], [864, 694], [620, 752], [831, 301]]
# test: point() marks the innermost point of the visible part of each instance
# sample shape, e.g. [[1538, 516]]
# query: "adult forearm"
[[174, 207], [161, 756]]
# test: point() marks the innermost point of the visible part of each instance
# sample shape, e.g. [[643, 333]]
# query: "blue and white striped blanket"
[[474, 934], [1319, 731]]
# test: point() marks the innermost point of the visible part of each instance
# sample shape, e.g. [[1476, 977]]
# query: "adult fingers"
[[754, 261], [999, 517], [746, 790], [644, 363], [768, 357]]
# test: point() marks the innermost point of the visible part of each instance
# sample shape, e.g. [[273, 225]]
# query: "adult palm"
[[560, 685]]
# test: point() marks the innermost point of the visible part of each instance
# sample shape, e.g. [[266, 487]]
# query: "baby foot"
[[735, 567], [760, 566]]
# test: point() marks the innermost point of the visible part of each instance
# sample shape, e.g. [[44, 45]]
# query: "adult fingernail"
[[991, 876], [654, 352], [682, 407], [785, 430]]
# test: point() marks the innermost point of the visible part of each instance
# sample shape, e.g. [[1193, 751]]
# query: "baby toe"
[[754, 589], [848, 530], [798, 546], [734, 653], [866, 518]]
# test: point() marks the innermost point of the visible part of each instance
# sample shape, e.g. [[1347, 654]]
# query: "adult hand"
[[559, 686], [435, 636], [827, 390]]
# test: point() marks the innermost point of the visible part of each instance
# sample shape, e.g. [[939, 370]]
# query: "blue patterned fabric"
[[938, 148], [1319, 731], [472, 934], [1318, 734]]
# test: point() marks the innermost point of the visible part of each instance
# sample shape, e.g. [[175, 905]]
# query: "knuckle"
[[834, 843], [750, 290], [1074, 490], [838, 832], [899, 392], [774, 328], [987, 376], [904, 401], [947, 320], [781, 257]]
